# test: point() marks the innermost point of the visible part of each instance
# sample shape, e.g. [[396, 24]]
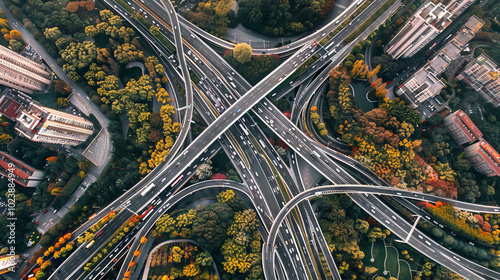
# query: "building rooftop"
[[30, 53], [469, 124], [21, 170], [491, 154], [439, 63], [9, 107], [432, 82], [474, 23], [12, 102]]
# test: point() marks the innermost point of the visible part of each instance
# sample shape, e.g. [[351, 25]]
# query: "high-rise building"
[[424, 26], [421, 86], [461, 128], [21, 73], [485, 159], [42, 124], [483, 76], [427, 74], [24, 174]]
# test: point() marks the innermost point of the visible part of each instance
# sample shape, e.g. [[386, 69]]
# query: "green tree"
[[15, 45], [52, 33], [62, 102], [5, 139]]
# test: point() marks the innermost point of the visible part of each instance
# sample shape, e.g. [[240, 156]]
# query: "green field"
[[377, 252], [391, 263]]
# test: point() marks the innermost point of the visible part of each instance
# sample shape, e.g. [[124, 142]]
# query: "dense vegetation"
[[252, 70], [10, 37], [213, 16], [380, 138], [181, 260], [344, 225], [226, 230], [465, 226], [281, 18]]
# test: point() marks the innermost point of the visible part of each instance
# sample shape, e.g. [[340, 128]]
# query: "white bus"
[[177, 181], [244, 130], [262, 143], [90, 244], [315, 154], [144, 192]]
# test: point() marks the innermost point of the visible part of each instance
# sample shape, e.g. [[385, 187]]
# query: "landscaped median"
[[369, 21], [346, 22], [111, 242]]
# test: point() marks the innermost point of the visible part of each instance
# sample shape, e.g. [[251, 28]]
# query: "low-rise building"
[[12, 102], [421, 86], [23, 174], [461, 128], [484, 158]]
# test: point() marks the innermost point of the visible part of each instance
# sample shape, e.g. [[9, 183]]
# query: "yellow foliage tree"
[[191, 270]]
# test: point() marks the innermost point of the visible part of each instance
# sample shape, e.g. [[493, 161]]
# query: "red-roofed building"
[[24, 174], [486, 160], [219, 176], [461, 127], [9, 107]]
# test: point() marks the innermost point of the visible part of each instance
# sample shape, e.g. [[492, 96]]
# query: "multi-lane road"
[[229, 121]]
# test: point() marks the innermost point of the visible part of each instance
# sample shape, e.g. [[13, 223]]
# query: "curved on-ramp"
[[268, 248]]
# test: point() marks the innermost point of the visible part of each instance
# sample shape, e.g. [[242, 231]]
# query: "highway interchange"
[[272, 186]]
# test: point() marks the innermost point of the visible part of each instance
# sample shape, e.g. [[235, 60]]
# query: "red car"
[[45, 211]]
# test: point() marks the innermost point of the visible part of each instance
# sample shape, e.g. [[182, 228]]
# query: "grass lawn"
[[404, 271], [378, 254], [391, 264]]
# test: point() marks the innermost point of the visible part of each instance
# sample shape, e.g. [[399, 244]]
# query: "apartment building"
[[424, 26], [482, 75], [484, 158], [42, 124], [19, 72], [437, 65], [461, 128], [24, 174]]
